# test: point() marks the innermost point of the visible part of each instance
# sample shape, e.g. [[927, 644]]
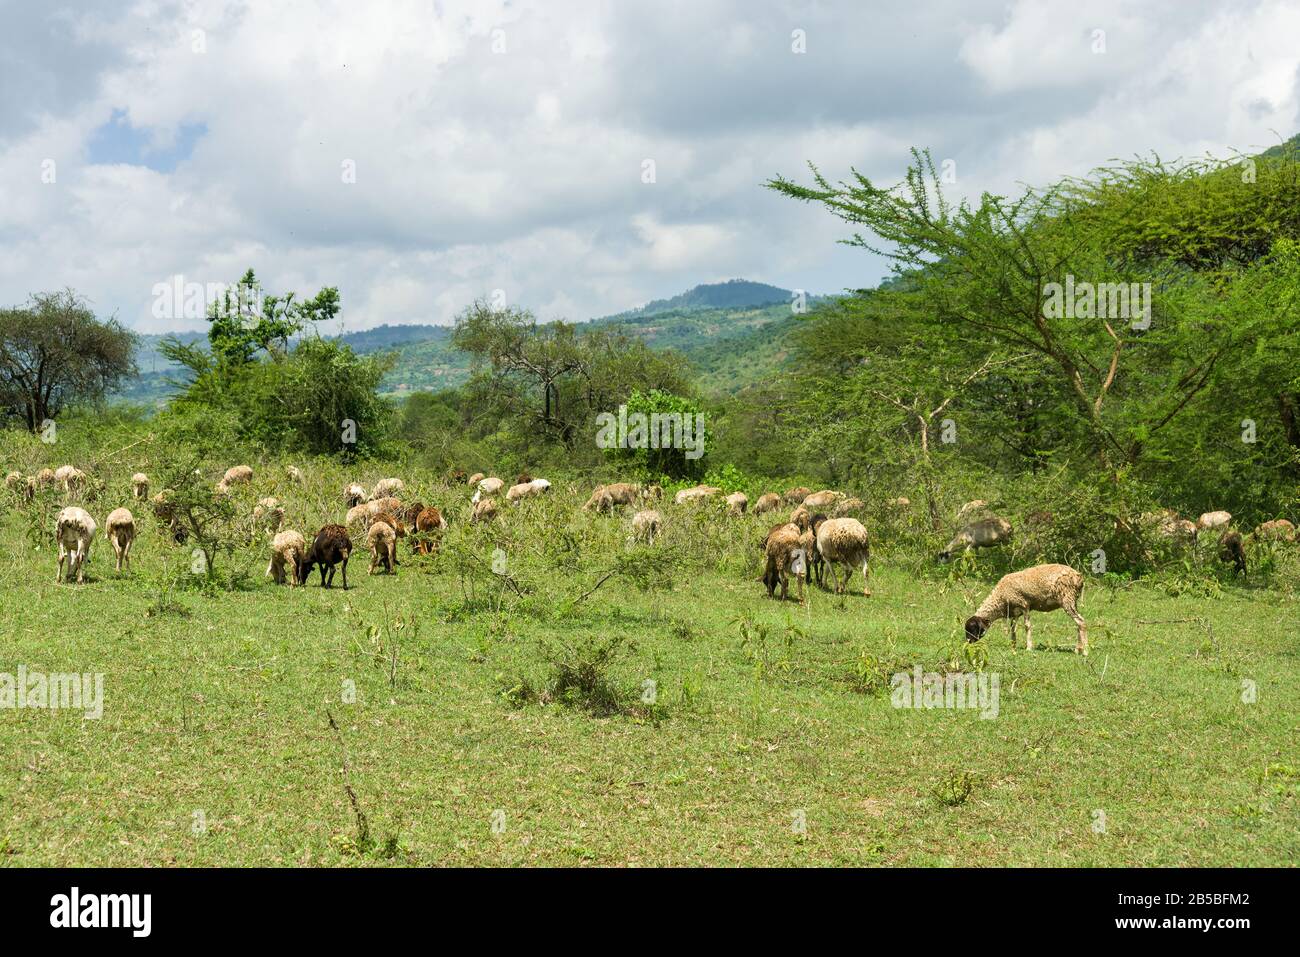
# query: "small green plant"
[[954, 790]]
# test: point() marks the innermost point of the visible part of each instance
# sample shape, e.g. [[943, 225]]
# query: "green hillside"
[[732, 333]]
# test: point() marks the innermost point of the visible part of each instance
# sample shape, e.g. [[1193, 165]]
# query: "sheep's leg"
[[866, 591], [1011, 623], [1081, 645], [63, 554], [126, 552], [81, 566], [345, 574], [1029, 633]]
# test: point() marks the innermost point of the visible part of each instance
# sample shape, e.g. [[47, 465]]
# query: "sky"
[[573, 158]]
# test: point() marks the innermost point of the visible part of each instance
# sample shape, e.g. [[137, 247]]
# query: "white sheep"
[[1278, 530], [484, 511], [698, 493], [269, 512], [849, 506], [354, 494], [75, 530], [985, 533], [70, 477], [795, 496], [529, 489], [119, 529], [487, 488], [970, 508], [287, 551], [1214, 520], [1041, 588], [737, 503], [388, 488], [843, 541], [295, 475], [475, 479], [647, 525], [139, 485], [237, 475]]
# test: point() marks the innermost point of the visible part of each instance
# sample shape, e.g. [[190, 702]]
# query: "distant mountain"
[[732, 294], [731, 331]]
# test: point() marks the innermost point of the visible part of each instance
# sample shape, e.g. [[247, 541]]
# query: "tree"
[[54, 352]]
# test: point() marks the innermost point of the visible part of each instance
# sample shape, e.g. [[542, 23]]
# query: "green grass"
[[219, 702]]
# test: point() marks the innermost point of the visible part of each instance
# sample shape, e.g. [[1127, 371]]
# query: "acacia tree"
[[55, 352]]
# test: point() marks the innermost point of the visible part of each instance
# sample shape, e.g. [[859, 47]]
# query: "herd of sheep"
[[821, 534]]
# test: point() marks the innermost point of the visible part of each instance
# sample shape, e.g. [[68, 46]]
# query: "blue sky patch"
[[117, 141]]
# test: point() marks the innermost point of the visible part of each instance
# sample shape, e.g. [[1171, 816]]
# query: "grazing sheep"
[[767, 502], [652, 493], [119, 529], [795, 496], [801, 517], [849, 506], [14, 481], [985, 533], [70, 477], [823, 499], [45, 477], [294, 474], [487, 488], [409, 513], [484, 511], [843, 541], [970, 508], [1168, 525], [358, 516], [377, 505], [1232, 549], [456, 477], [646, 526], [901, 504], [388, 488], [523, 478], [75, 530], [382, 540], [695, 494], [237, 475], [1041, 588], [140, 485], [1278, 530], [530, 489], [331, 547], [816, 564], [783, 545], [288, 549], [354, 495], [606, 498], [269, 512], [1214, 520], [475, 478], [165, 512], [737, 502], [429, 521]]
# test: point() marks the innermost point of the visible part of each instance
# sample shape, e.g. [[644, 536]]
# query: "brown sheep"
[[737, 502], [331, 547], [795, 496], [985, 533], [1041, 588], [606, 498], [784, 543], [287, 550], [382, 540], [767, 502], [427, 523], [1232, 549], [1278, 530], [119, 527], [484, 511], [823, 499], [646, 526]]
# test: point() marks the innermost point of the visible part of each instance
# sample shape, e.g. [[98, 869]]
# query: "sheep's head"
[[943, 557], [975, 628]]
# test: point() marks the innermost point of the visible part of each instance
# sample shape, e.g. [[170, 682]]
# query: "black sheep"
[[332, 546], [1232, 549]]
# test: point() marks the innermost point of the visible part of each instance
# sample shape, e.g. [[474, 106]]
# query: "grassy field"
[[770, 739]]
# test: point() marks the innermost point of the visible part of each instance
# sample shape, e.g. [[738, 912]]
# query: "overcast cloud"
[[500, 145]]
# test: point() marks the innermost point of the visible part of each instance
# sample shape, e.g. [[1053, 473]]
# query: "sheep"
[[354, 495], [795, 496], [901, 504], [767, 502], [382, 540], [737, 502], [985, 533], [388, 488], [1041, 588], [75, 530], [484, 511], [1168, 525], [1214, 520], [823, 499], [1278, 530], [165, 512], [377, 505], [843, 541], [970, 508], [487, 488], [475, 479], [119, 529], [606, 497], [647, 525], [358, 516], [269, 512], [70, 477], [294, 474], [530, 489], [45, 477], [780, 549], [429, 520], [13, 480], [816, 564], [1232, 549], [801, 517], [393, 522], [331, 547], [139, 486], [409, 513], [849, 506], [523, 478], [288, 549], [652, 494], [456, 477], [695, 494], [237, 475]]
